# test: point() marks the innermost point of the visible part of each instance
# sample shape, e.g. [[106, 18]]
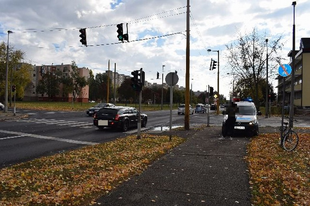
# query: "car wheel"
[[144, 122], [125, 126]]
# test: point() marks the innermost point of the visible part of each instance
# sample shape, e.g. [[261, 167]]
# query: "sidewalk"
[[202, 171]]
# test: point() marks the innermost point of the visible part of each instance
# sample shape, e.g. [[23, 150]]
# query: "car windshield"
[[246, 110], [182, 105]]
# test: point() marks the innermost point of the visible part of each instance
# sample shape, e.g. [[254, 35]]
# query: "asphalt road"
[[48, 132]]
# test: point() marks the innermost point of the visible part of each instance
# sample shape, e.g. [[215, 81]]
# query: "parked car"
[[91, 111], [181, 109], [213, 107], [121, 118], [1, 106], [200, 108], [246, 119]]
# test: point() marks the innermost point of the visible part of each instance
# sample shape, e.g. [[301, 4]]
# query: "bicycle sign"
[[285, 70]]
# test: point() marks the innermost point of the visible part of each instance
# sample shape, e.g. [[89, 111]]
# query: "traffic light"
[[120, 34], [211, 91], [141, 78], [214, 64], [135, 81], [83, 36], [157, 75], [126, 37], [13, 88]]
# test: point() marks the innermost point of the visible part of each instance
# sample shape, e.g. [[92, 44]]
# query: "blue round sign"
[[285, 70]]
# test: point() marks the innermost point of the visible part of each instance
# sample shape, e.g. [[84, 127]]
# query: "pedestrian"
[[231, 120]]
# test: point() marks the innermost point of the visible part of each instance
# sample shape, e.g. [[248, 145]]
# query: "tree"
[[19, 74], [247, 58], [78, 81], [49, 84], [92, 86], [125, 91]]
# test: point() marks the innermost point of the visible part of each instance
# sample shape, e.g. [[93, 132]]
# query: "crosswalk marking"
[[84, 125]]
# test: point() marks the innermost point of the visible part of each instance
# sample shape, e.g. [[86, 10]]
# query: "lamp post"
[[267, 89], [7, 73], [218, 80], [162, 87], [293, 72]]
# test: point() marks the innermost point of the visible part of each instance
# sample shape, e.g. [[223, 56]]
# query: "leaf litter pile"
[[278, 177], [80, 176]]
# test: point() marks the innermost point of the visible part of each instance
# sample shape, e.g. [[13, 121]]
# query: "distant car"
[[121, 118], [91, 111], [213, 107], [1, 106], [200, 108], [181, 109]]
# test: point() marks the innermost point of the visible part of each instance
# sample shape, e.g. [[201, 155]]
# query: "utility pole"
[[7, 73], [267, 89], [186, 118], [108, 82], [114, 84], [162, 87], [293, 72]]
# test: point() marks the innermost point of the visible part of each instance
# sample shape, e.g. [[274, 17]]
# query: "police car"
[[246, 119]]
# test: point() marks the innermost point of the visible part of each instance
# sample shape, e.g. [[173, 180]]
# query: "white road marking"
[[21, 134], [85, 125]]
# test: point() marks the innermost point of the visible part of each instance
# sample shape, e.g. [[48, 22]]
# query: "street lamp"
[[267, 89], [293, 72], [162, 87], [218, 80], [7, 73]]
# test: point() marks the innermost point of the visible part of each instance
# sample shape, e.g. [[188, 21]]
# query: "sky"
[[48, 33]]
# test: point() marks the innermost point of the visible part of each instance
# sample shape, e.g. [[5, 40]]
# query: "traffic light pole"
[[139, 116]]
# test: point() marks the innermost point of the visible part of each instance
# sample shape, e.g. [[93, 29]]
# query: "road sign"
[[285, 70], [172, 78]]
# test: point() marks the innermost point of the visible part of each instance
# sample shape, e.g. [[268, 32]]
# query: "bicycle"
[[289, 138]]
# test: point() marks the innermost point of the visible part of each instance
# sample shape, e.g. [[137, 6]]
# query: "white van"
[[246, 119]]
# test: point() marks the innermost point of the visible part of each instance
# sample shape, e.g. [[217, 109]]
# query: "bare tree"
[[247, 57]]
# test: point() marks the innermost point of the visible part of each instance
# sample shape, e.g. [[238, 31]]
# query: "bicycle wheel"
[[290, 141]]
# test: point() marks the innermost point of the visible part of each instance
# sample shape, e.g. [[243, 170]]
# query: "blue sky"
[[213, 24]]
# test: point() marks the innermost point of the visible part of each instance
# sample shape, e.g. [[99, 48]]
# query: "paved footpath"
[[204, 170]]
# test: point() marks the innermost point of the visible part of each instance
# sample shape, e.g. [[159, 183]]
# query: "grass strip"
[[80, 176]]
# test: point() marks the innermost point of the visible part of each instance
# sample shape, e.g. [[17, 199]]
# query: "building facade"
[[65, 70], [302, 78]]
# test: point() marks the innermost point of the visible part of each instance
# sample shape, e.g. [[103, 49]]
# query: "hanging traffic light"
[[214, 64], [120, 33], [83, 36], [157, 75], [211, 91]]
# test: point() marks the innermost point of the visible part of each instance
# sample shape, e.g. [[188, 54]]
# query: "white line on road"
[[21, 134]]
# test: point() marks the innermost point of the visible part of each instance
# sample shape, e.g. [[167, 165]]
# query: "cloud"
[[47, 31]]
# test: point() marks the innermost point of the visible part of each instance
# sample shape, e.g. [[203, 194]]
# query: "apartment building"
[[302, 78], [37, 73]]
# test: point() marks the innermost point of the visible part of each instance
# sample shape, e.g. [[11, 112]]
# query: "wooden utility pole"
[[108, 82], [186, 118]]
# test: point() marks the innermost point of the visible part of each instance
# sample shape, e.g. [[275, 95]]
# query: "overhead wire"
[[139, 20]]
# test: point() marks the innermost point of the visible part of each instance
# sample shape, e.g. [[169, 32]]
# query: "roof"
[[304, 43]]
